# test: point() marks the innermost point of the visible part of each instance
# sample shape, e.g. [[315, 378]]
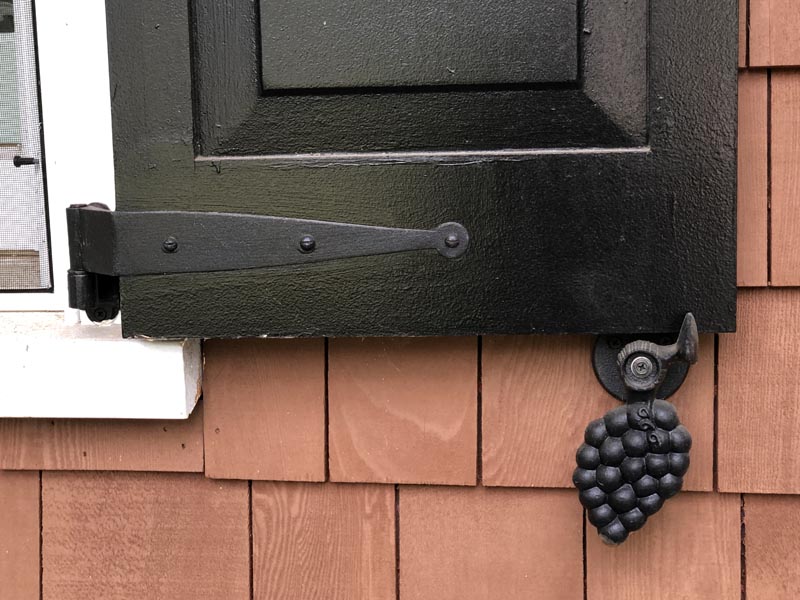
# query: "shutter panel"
[[588, 148]]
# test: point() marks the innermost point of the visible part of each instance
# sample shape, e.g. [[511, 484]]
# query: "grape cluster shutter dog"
[[546, 166]]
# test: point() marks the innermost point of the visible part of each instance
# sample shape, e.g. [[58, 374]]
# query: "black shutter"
[[588, 149]]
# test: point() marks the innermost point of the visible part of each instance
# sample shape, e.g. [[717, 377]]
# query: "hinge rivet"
[[169, 245], [452, 241], [307, 243]]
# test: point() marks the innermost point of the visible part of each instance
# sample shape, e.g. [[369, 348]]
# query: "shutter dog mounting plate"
[[105, 245]]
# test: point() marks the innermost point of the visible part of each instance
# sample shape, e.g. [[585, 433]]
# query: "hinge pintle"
[[96, 294]]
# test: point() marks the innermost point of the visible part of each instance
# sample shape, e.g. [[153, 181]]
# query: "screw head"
[[642, 367], [452, 241], [307, 244], [170, 245]]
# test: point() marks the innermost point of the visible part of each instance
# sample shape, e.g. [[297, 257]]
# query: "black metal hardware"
[[634, 458], [105, 245], [604, 361], [170, 245], [24, 160]]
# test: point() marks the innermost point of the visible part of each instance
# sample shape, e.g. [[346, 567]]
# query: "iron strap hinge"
[[105, 244]]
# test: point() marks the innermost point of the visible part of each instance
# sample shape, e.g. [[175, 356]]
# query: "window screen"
[[24, 244]]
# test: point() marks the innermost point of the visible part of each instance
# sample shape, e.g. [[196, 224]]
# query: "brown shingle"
[[489, 544], [95, 445], [265, 409], [774, 33], [19, 535], [772, 542], [752, 205], [785, 198], [403, 410], [323, 541], [689, 550], [743, 33], [759, 386], [144, 535]]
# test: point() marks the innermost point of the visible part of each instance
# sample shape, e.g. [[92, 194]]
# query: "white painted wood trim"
[[50, 365], [52, 370], [76, 118]]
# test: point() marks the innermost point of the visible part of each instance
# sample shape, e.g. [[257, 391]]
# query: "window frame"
[[76, 118], [63, 366]]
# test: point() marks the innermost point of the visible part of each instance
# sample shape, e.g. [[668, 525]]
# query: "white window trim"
[[52, 364], [76, 115], [54, 370]]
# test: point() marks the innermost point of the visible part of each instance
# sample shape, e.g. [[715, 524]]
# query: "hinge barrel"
[[92, 285]]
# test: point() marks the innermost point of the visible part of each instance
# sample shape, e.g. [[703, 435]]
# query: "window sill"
[[54, 370]]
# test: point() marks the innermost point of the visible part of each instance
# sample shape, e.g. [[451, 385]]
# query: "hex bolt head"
[[452, 241], [307, 244], [170, 245], [642, 367]]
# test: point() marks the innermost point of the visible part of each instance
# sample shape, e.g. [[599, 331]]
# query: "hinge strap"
[[104, 243]]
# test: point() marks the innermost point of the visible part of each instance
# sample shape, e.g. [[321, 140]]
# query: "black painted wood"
[[607, 205], [236, 118], [384, 43]]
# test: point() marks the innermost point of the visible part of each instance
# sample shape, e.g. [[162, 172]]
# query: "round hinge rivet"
[[452, 241], [307, 243], [169, 245]]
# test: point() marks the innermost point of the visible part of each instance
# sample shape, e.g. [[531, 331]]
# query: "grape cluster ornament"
[[634, 458]]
